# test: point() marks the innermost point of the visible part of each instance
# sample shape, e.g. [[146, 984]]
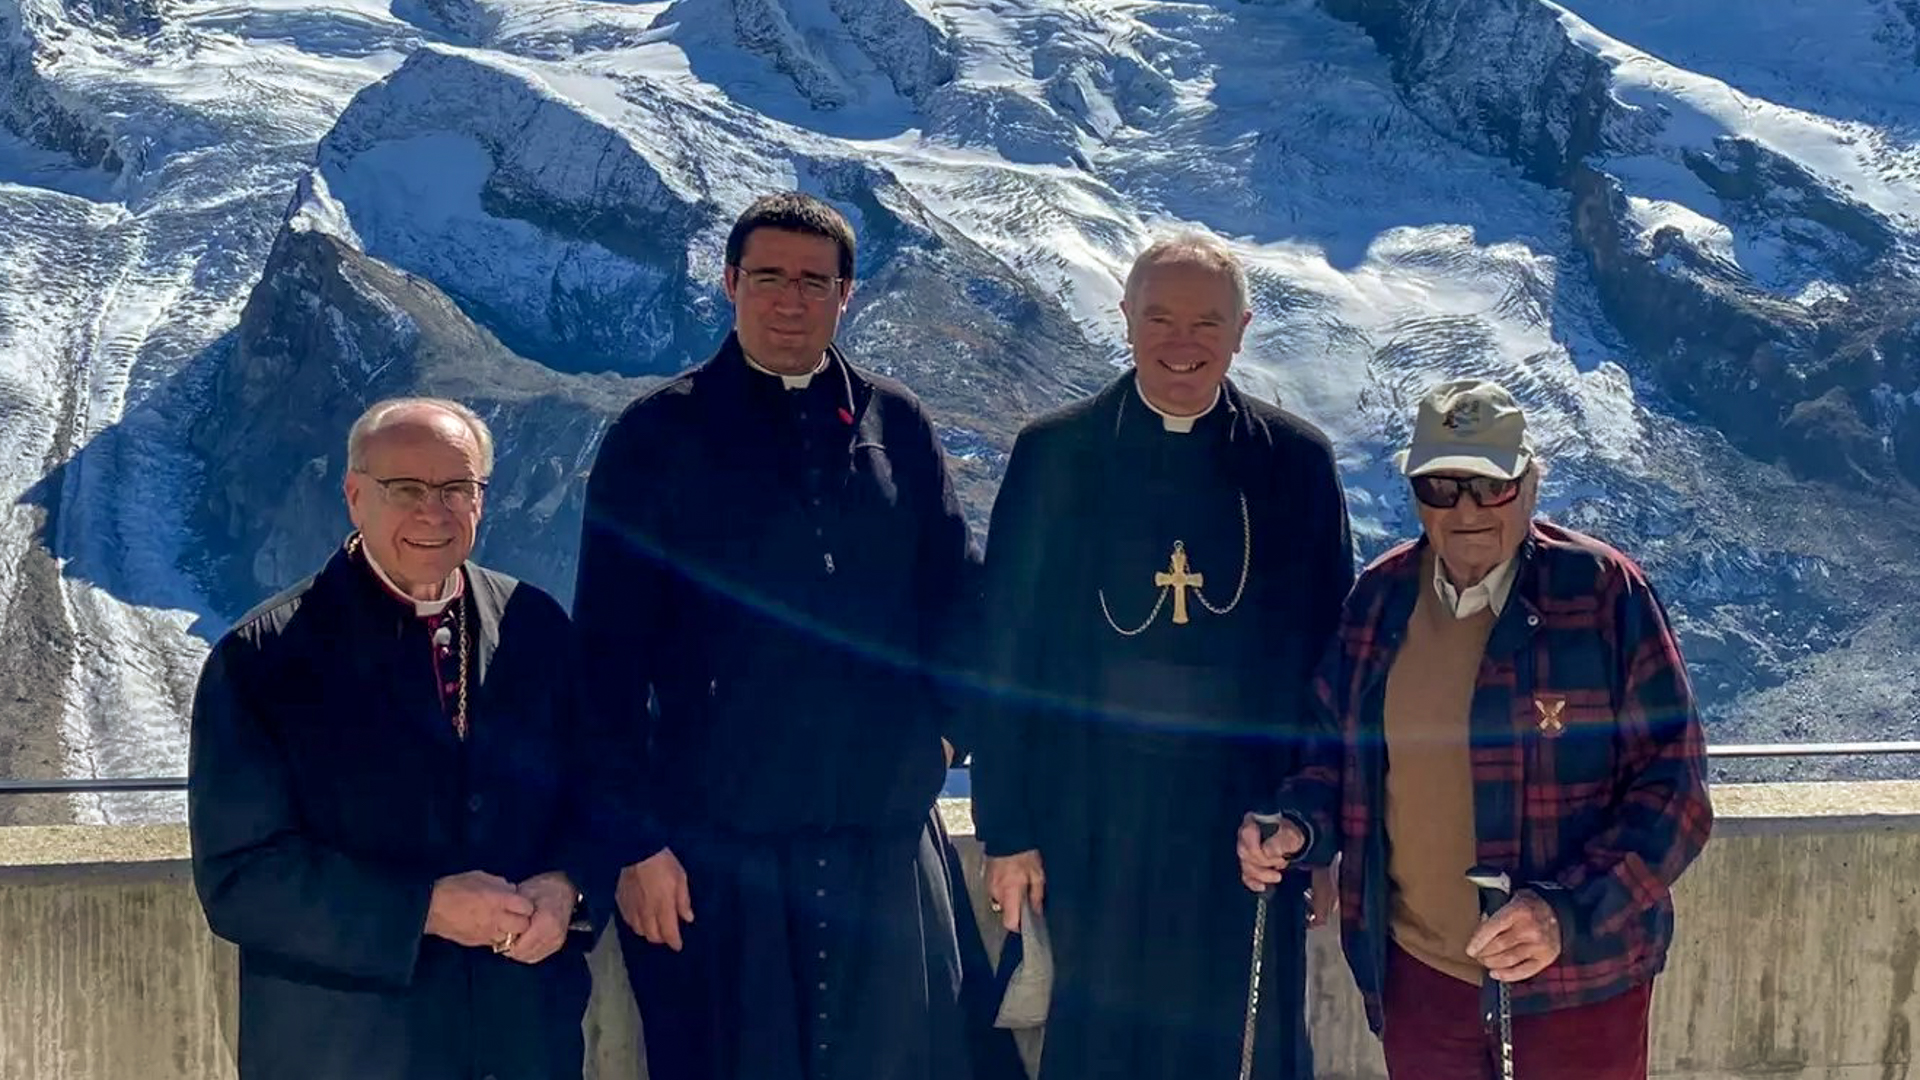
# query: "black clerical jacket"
[[777, 576], [1043, 629], [328, 791]]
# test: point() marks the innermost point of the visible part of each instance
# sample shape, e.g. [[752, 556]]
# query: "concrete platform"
[[1799, 952]]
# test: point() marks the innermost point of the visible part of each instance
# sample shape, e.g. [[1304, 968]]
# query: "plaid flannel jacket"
[[1588, 763]]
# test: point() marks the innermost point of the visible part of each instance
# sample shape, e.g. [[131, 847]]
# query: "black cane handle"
[[1494, 885], [1268, 825]]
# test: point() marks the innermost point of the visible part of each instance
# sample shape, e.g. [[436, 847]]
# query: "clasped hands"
[[526, 922]]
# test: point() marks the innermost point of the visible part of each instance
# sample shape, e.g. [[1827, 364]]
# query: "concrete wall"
[[1799, 953]]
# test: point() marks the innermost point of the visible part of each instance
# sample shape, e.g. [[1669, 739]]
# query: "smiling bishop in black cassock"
[[1165, 562]]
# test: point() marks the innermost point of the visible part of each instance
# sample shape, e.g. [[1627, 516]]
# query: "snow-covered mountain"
[[1684, 236]]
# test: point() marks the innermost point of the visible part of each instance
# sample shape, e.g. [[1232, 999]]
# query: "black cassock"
[[767, 578], [328, 791], [1126, 745]]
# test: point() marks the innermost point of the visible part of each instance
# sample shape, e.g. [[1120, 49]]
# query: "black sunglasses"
[[1443, 492]]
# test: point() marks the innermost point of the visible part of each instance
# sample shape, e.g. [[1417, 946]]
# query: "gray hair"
[[1192, 248], [380, 414]]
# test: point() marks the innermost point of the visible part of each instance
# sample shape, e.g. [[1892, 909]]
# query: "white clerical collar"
[[1179, 425], [791, 382], [449, 592], [1491, 592]]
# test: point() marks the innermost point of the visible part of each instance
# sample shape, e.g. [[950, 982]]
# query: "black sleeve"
[[1309, 792], [1013, 574], [947, 582], [622, 610], [598, 753], [1333, 564], [265, 885]]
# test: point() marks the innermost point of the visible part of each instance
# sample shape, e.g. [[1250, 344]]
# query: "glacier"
[[225, 227]]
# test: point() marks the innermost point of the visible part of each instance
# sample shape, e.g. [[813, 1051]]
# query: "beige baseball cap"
[[1468, 425]]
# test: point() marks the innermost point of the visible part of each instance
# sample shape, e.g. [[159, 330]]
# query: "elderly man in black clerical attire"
[[1165, 562], [770, 562], [395, 796]]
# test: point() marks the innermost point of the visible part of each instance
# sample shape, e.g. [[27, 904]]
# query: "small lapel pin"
[[1550, 710]]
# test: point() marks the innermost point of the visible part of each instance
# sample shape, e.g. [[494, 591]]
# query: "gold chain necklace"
[[1179, 565], [460, 714]]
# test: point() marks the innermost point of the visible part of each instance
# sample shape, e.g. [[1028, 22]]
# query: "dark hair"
[[793, 212]]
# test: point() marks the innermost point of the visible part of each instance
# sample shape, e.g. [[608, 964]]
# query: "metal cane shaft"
[[1253, 983], [1506, 1032], [1269, 824], [1495, 889]]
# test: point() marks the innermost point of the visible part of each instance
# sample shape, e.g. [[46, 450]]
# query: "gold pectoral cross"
[[1179, 579]]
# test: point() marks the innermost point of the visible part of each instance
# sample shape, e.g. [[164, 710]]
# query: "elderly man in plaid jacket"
[[1504, 693]]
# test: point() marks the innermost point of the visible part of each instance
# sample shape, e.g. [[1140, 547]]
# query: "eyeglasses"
[[408, 493], [813, 287], [1443, 492]]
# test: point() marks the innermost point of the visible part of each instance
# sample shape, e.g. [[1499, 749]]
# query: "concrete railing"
[[1799, 953]]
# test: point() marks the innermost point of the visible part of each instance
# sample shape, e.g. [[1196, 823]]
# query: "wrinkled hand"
[[1323, 896], [475, 909], [1263, 863], [1518, 941], [1011, 881], [553, 896], [653, 899]]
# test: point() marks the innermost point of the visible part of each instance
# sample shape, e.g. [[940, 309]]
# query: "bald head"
[[417, 416]]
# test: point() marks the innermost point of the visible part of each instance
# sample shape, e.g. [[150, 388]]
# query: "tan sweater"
[[1430, 826]]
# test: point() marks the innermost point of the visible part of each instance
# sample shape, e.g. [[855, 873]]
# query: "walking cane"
[[1495, 887], [1269, 824]]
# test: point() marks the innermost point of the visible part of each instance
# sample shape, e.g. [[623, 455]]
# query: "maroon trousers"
[[1433, 1032]]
